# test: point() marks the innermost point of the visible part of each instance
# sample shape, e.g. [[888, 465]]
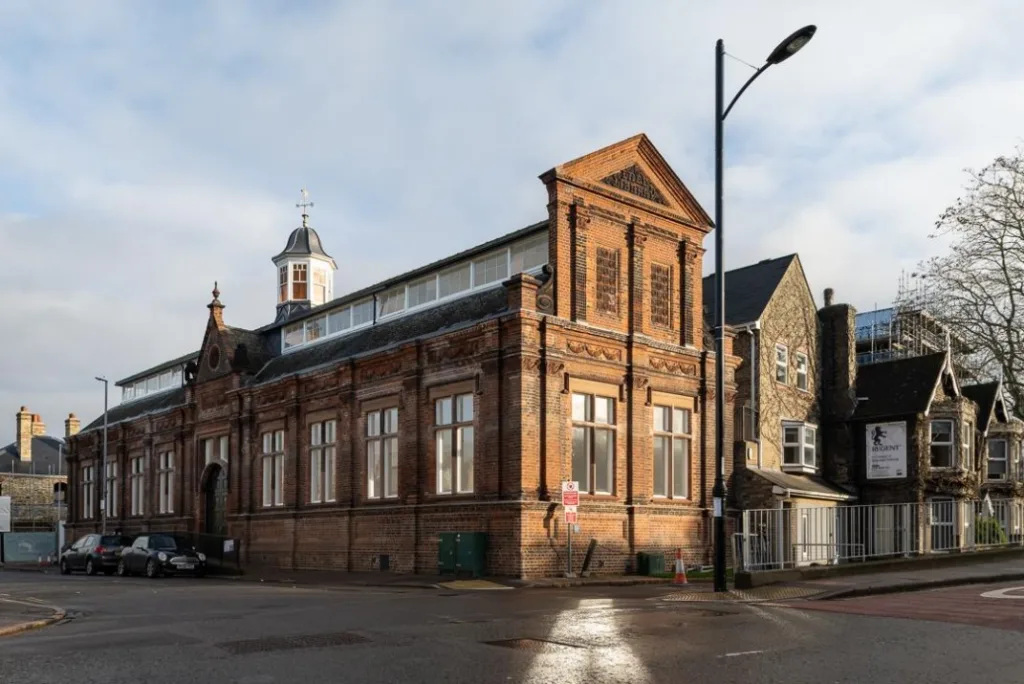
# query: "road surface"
[[169, 631]]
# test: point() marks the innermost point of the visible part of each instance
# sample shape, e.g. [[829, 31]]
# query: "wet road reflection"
[[605, 656]]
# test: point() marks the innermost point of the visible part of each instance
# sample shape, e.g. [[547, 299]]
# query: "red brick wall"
[[520, 370]]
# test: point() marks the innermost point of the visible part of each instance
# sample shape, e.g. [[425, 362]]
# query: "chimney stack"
[[38, 426], [71, 426], [837, 376], [24, 434]]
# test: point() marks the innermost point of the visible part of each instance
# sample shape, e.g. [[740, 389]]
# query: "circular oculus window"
[[214, 359]]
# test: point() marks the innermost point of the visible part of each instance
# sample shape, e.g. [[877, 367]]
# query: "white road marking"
[[741, 653], [1003, 593]]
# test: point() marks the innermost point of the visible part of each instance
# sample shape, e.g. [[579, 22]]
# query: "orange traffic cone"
[[680, 569]]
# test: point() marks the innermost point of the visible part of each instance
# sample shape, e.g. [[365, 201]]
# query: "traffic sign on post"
[[570, 493], [570, 516]]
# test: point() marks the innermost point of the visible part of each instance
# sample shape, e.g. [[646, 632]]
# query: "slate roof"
[[897, 388], [153, 403], [985, 396], [409, 275], [302, 242], [446, 317], [46, 458], [166, 365], [747, 290], [811, 484]]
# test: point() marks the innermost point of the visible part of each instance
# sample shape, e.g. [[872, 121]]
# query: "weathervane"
[[304, 205]]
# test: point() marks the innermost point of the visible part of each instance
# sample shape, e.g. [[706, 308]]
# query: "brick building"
[[778, 410], [33, 471], [353, 431]]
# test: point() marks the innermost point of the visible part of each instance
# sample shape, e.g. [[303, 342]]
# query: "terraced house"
[[353, 432]]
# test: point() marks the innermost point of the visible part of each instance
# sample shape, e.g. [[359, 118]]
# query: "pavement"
[[20, 615], [906, 578], [170, 630]]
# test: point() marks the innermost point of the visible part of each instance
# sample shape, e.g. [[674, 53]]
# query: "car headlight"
[[162, 556], [201, 555]]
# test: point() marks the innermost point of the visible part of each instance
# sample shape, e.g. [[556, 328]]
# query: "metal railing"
[[777, 538]]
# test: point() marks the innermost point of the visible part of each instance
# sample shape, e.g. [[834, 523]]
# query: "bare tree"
[[977, 289]]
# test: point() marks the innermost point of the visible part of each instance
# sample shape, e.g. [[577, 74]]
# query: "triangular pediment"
[[633, 180], [634, 170]]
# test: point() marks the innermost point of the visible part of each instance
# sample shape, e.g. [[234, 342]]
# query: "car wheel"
[[90, 569], [151, 569], [122, 569], [64, 568]]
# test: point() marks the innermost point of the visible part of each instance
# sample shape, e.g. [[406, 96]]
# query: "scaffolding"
[[907, 328]]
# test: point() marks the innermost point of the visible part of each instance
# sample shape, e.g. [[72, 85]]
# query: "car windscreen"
[[115, 541], [160, 541]]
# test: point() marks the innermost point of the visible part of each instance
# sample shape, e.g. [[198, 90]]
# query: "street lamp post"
[[103, 461], [786, 49]]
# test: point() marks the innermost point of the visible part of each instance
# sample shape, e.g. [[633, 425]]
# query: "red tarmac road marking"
[[962, 605]]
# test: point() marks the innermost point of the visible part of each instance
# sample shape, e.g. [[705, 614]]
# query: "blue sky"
[[148, 149]]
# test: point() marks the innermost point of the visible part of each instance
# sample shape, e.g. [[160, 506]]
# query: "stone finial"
[[216, 308], [829, 296]]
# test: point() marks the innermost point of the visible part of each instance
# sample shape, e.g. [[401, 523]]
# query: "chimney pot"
[[829, 294]]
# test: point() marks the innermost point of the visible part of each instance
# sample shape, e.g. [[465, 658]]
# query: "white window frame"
[[807, 444], [454, 442], [88, 492], [138, 485], [951, 444], [967, 440], [509, 253], [382, 453], [111, 490], [586, 424], [1005, 460], [273, 468], [672, 428], [297, 269], [802, 376], [165, 483], [323, 439], [782, 364]]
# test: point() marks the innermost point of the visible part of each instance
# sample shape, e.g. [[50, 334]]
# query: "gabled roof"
[[46, 458], [747, 290], [443, 318], [900, 387], [635, 167], [988, 397]]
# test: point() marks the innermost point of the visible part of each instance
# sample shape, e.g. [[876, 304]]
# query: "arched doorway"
[[216, 501]]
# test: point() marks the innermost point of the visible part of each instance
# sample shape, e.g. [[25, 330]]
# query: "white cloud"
[[146, 152]]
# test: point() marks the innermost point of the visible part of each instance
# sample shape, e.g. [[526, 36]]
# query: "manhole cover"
[[292, 642], [528, 644]]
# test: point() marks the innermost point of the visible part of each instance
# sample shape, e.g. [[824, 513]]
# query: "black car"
[[93, 553], [161, 554]]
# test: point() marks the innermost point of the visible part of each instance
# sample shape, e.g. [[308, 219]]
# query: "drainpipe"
[[754, 371]]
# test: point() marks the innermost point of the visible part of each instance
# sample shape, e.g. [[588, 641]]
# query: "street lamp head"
[[792, 44], [101, 379]]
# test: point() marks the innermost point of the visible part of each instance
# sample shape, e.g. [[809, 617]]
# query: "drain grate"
[[529, 644], [289, 643]]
